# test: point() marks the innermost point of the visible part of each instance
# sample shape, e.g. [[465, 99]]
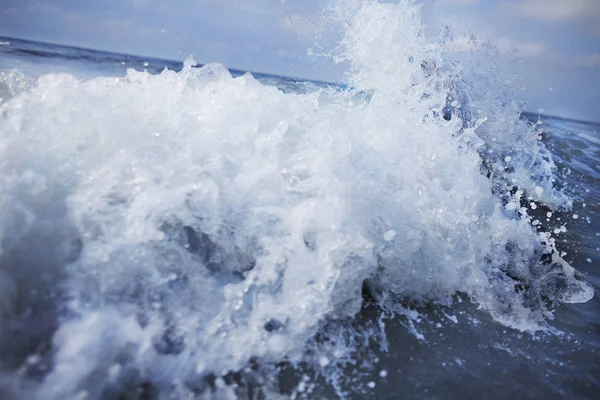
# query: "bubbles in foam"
[[192, 222]]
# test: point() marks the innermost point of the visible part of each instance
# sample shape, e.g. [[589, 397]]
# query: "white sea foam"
[[185, 223]]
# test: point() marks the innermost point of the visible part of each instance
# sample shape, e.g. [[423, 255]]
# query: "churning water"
[[196, 232]]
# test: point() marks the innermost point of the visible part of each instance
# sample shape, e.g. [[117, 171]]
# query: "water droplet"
[[389, 235], [323, 361], [539, 190]]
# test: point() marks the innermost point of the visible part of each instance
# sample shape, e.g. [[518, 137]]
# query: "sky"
[[552, 45]]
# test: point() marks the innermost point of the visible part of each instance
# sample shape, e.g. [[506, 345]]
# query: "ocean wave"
[[166, 228]]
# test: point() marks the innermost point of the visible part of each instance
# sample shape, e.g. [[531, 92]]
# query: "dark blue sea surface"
[[447, 348]]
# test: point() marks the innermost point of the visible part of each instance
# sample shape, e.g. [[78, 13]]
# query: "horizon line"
[[171, 60], [268, 74]]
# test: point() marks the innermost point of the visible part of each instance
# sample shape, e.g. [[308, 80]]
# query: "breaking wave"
[[159, 230]]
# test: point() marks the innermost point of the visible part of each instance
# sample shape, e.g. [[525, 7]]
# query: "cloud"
[[560, 10], [523, 49]]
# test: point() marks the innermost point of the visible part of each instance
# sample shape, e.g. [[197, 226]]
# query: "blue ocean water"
[[180, 231]]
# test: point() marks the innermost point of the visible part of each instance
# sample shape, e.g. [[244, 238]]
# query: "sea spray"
[[162, 232]]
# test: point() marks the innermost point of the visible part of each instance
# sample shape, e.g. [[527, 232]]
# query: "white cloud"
[[523, 49], [560, 10]]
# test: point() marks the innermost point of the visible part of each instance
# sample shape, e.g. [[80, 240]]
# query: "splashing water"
[[162, 229]]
